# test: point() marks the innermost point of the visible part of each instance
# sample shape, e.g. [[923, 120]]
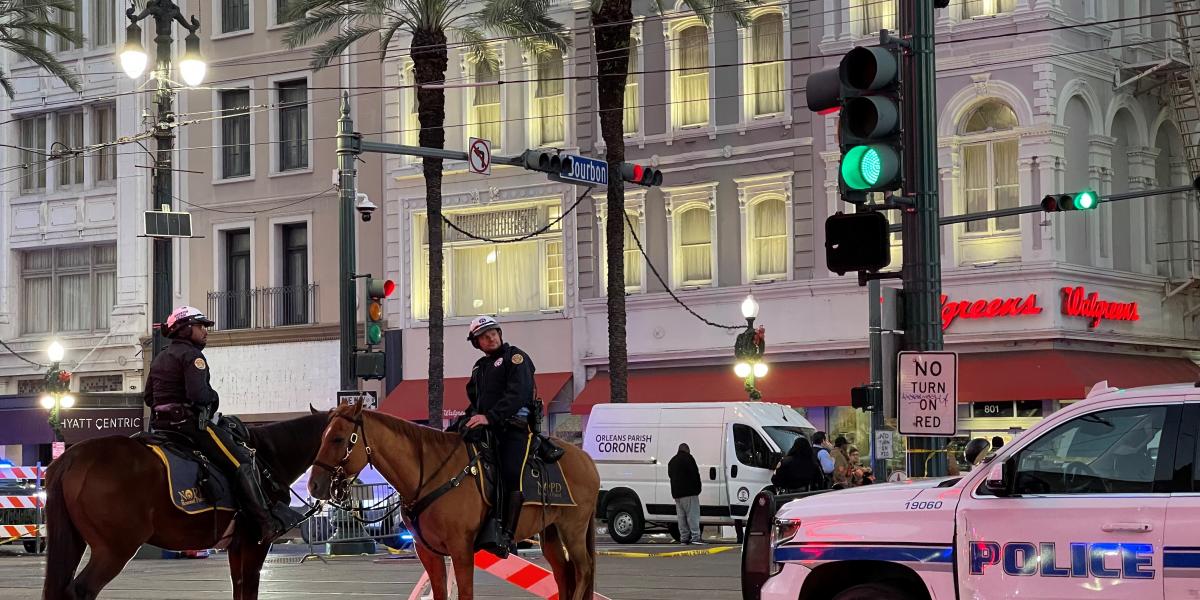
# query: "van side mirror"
[[1001, 478]]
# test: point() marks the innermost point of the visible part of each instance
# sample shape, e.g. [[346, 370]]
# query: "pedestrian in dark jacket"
[[685, 489], [799, 471]]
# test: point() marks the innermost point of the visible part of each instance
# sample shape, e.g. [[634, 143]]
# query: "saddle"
[[194, 484], [542, 483]]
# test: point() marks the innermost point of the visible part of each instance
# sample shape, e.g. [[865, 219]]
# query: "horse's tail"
[[589, 590], [65, 545]]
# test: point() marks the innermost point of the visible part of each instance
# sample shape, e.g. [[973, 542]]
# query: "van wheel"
[[872, 591], [625, 524]]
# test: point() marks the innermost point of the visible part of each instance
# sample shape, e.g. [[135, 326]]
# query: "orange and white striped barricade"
[[22, 472], [537, 580], [20, 502], [10, 533]]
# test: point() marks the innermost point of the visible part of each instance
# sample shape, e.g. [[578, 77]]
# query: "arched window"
[[768, 240], [989, 162], [692, 78], [766, 72], [485, 103], [549, 116], [695, 246], [630, 123]]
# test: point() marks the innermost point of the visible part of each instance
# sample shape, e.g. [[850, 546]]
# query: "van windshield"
[[784, 437]]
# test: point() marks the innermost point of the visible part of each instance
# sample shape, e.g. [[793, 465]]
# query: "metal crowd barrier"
[[22, 502], [369, 515]]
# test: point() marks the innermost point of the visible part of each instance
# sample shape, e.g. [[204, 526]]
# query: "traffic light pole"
[[347, 190], [922, 272]]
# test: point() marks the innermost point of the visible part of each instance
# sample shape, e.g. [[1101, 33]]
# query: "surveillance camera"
[[364, 206]]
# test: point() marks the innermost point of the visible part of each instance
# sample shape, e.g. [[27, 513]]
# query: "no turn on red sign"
[[927, 393]]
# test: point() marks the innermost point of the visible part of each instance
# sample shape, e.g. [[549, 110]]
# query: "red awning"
[[410, 399], [983, 377], [1062, 374], [814, 383]]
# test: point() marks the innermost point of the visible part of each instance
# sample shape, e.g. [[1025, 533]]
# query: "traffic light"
[[1085, 200], [647, 176], [377, 290], [540, 160], [865, 89], [857, 242], [867, 398]]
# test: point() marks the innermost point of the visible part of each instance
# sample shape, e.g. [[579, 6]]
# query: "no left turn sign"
[[479, 156]]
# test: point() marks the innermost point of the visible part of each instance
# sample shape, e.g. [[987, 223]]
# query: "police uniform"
[[180, 395], [502, 389]]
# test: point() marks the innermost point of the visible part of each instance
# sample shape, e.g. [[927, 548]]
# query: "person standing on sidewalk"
[[685, 489]]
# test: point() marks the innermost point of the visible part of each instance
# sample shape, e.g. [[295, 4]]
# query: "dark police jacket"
[[180, 375], [501, 384]]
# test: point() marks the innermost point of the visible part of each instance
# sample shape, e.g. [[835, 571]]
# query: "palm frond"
[[317, 22], [526, 20], [334, 46], [40, 57], [477, 45], [6, 83], [738, 9]]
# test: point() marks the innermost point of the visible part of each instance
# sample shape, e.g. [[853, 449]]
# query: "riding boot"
[[512, 515], [254, 501]]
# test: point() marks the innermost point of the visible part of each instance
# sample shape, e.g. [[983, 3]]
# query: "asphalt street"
[[708, 576]]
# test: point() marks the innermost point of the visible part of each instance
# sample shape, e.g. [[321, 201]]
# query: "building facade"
[[261, 170], [75, 269]]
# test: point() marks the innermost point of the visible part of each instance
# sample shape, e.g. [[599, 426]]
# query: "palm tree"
[[430, 23], [612, 21], [22, 24]]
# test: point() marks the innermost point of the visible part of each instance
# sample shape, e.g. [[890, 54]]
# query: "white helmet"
[[182, 317], [480, 325]]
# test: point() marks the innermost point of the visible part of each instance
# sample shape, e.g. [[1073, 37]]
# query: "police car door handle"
[[1127, 527]]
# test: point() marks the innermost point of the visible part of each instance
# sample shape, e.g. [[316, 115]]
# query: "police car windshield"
[[784, 437]]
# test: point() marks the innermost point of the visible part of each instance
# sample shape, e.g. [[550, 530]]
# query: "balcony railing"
[[262, 308]]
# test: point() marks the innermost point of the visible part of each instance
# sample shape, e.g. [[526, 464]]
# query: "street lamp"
[[56, 388], [749, 349], [133, 59]]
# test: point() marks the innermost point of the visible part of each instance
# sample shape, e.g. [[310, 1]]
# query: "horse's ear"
[[358, 408], [313, 410]]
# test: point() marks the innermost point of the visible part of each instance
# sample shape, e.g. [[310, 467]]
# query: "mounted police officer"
[[182, 400], [501, 391]]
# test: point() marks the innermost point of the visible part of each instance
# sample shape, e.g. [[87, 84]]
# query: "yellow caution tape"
[[674, 554]]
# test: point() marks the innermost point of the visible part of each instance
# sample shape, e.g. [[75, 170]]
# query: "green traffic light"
[[868, 167], [374, 334], [1084, 200]]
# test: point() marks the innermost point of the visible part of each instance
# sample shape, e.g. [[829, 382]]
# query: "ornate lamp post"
[[192, 67], [749, 348], [56, 391]]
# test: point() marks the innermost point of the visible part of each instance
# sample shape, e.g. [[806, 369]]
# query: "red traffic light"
[[637, 172], [380, 288], [389, 286], [647, 176]]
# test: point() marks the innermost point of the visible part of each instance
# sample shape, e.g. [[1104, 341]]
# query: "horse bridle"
[[339, 484]]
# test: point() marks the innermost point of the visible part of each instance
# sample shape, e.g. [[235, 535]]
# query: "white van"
[[735, 444]]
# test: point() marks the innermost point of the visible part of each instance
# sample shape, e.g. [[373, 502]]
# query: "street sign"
[[479, 156], [927, 390], [369, 398], [584, 170], [883, 445]]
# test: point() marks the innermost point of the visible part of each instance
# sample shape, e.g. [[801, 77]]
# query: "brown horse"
[[111, 494], [418, 460]]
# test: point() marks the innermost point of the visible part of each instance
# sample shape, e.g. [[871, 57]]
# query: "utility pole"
[[347, 189], [133, 60], [922, 272]]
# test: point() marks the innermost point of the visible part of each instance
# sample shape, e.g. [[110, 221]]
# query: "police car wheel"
[[872, 591], [625, 524]]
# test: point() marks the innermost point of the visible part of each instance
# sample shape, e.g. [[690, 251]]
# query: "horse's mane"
[[289, 447], [421, 434]]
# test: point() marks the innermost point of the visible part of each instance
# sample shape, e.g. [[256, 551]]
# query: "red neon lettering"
[[1077, 302], [987, 309]]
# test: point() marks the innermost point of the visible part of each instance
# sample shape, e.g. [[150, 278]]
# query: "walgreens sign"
[[1076, 302]]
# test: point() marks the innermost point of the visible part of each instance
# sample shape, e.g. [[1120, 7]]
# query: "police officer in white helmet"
[[502, 395]]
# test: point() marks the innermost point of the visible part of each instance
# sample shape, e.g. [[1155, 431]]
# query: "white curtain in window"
[[70, 134], [633, 256], [548, 97], [517, 274], [555, 281], [486, 106], [106, 297], [878, 15], [74, 302], [630, 120], [975, 183], [104, 23], [770, 238], [106, 131], [695, 246], [412, 120], [35, 305], [693, 79], [985, 8], [33, 137], [767, 72], [1007, 189]]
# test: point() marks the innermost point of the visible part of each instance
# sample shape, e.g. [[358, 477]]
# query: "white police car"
[[1100, 500]]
